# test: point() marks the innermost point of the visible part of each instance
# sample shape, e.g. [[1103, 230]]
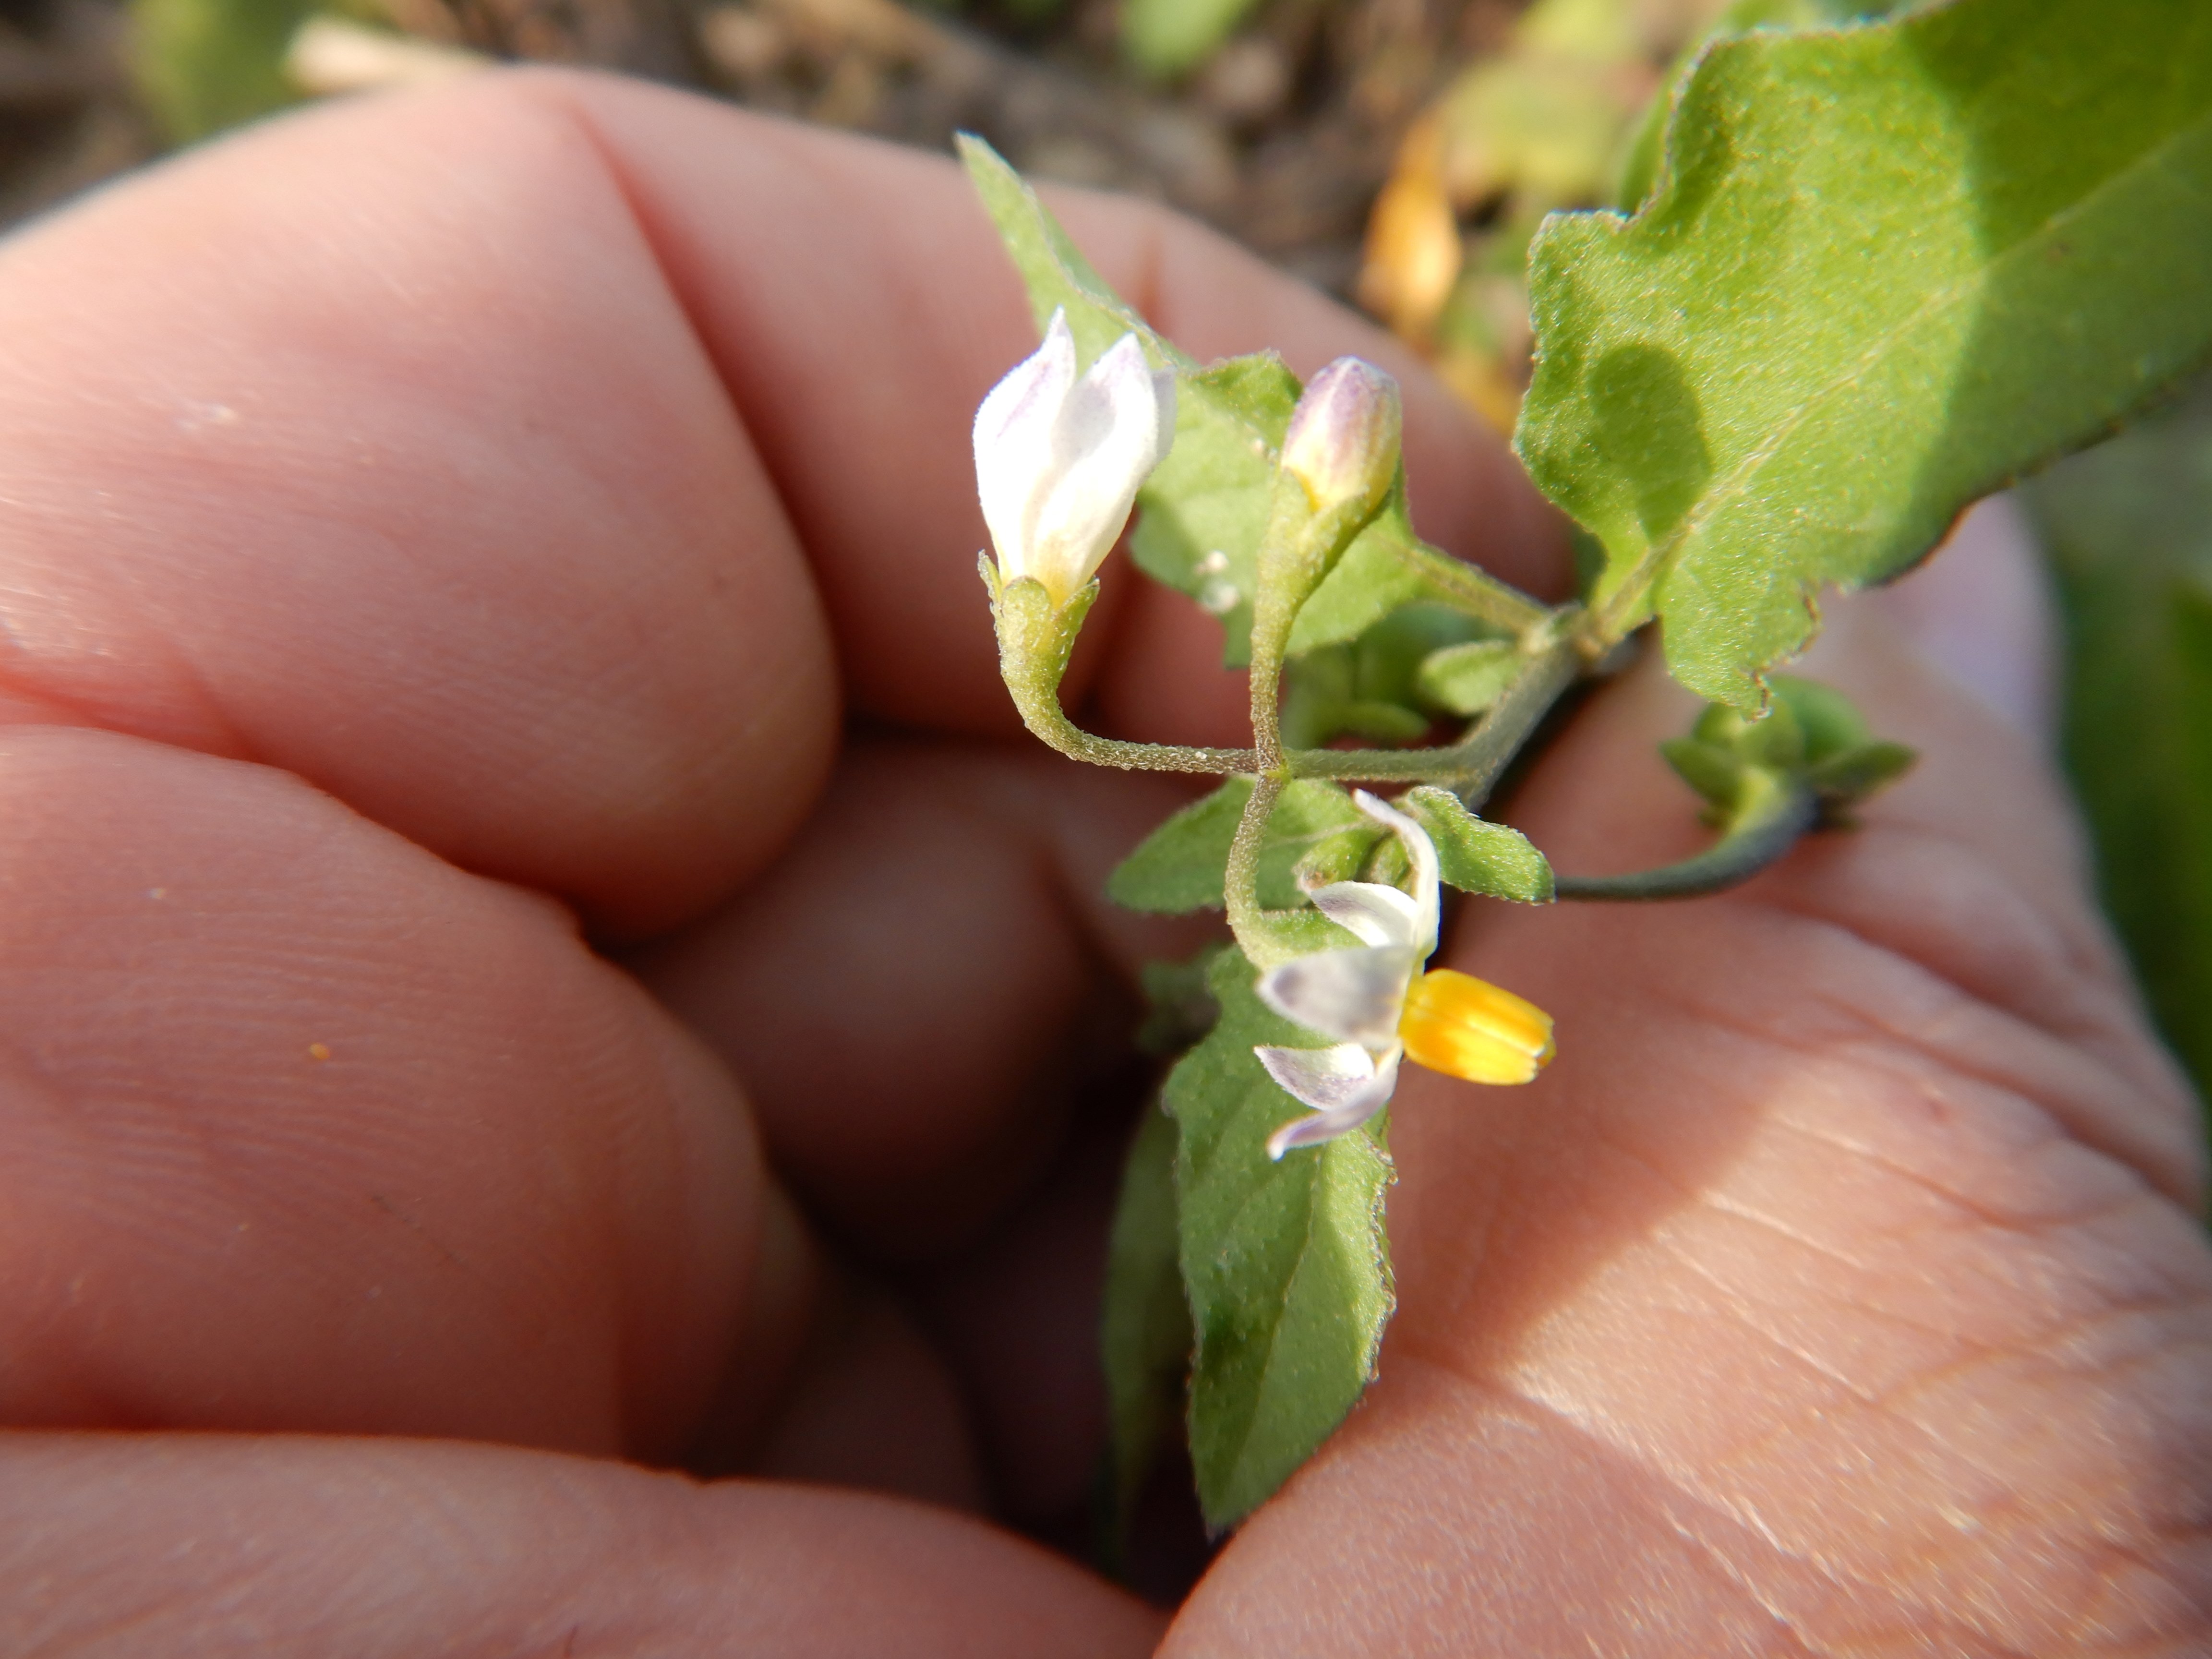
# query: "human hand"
[[431, 520]]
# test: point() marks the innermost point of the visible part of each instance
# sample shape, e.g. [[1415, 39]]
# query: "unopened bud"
[[1344, 437]]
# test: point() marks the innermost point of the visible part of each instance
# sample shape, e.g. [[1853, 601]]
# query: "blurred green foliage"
[[2129, 527], [1167, 37], [203, 65]]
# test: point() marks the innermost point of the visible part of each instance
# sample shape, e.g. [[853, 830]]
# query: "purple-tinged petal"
[[1353, 995], [1370, 912], [1352, 1101]]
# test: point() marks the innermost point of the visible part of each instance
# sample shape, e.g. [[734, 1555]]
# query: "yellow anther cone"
[[1457, 1023]]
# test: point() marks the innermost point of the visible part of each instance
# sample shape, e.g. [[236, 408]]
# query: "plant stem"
[[1470, 765], [1042, 712], [1478, 592], [1762, 833], [1239, 883]]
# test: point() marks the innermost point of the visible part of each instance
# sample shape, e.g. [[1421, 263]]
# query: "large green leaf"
[[1144, 1334], [1884, 271], [2130, 529], [1285, 1264]]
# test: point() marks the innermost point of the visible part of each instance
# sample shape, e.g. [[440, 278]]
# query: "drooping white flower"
[[1059, 458], [1367, 997]]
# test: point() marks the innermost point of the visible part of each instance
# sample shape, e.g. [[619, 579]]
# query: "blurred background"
[[1397, 153]]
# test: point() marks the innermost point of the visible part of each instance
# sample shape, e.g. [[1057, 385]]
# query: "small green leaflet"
[[1201, 514], [1475, 855], [1144, 1334], [1287, 1269], [1884, 271]]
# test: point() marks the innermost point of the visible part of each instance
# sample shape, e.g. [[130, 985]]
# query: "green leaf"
[[203, 65], [1477, 856], [1180, 865], [2128, 526], [1884, 271], [1206, 506], [1179, 1008], [1466, 679], [1285, 1264], [1167, 37], [1639, 165], [1057, 275], [1145, 1330]]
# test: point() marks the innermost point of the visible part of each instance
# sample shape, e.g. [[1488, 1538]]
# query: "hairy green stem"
[[1760, 834], [1241, 881], [1470, 767], [1477, 592], [1042, 712]]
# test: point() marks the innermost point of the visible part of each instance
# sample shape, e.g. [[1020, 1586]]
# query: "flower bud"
[[1059, 458], [1344, 437]]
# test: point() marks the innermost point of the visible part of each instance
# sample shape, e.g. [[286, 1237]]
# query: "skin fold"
[[539, 974]]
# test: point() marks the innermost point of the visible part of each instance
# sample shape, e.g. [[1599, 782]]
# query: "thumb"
[[1837, 1288]]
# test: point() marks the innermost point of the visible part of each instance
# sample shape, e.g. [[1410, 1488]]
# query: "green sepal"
[[1180, 866], [1773, 738], [1285, 1264], [1829, 720], [1341, 857], [1854, 775], [1144, 1333], [1036, 636], [1714, 772], [1466, 679], [1387, 864], [1475, 855]]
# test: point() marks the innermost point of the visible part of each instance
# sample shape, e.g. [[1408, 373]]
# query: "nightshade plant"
[[1879, 270]]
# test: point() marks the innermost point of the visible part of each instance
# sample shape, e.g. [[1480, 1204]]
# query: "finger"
[[296, 1546], [301, 1128], [1837, 1286], [918, 995], [504, 501]]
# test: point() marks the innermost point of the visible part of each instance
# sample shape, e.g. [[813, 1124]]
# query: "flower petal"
[[1420, 852], [1469, 1028], [1345, 1085], [1111, 433], [1373, 914], [1354, 995], [1014, 429]]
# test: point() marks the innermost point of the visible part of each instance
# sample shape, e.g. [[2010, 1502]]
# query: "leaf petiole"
[[1776, 811]]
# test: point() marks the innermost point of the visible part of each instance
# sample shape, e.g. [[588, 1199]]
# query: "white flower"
[[1059, 458], [1367, 998]]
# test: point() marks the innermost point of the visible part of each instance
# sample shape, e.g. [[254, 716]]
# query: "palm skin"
[[432, 524]]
